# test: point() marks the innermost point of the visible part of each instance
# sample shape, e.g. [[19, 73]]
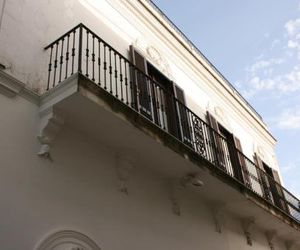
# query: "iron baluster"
[[105, 67], [50, 67], [55, 64], [121, 79], [99, 62], [110, 72], [87, 54], [116, 75], [67, 56], [93, 59], [126, 83], [73, 52], [61, 59], [80, 50]]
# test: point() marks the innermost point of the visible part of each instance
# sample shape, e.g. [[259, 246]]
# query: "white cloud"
[[275, 43], [262, 64], [292, 26], [293, 32], [289, 119], [263, 74], [291, 166]]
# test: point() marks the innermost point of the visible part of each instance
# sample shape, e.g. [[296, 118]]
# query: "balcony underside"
[[99, 115]]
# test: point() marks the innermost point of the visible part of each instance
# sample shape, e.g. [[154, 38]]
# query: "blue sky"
[[256, 46]]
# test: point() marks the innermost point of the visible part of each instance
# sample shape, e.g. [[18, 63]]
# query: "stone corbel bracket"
[[270, 235], [247, 226], [218, 211], [51, 122], [125, 163], [289, 245], [176, 185]]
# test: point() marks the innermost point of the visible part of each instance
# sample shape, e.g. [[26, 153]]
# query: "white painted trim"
[[11, 87], [60, 238]]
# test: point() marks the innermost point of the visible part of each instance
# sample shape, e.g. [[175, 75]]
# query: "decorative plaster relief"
[[154, 56], [289, 245], [247, 225], [50, 124], [217, 209], [221, 115], [270, 237], [68, 240], [125, 164]]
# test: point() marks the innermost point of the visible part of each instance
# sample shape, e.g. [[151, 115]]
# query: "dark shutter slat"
[[140, 81]]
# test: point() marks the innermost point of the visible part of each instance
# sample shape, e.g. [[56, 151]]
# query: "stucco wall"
[[29, 25], [78, 191]]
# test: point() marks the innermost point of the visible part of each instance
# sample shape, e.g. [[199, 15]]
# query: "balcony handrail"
[[269, 176], [117, 70]]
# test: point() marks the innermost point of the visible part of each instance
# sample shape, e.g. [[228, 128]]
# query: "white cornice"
[[192, 62], [11, 87]]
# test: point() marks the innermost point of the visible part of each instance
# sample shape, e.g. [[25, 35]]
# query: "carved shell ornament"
[[154, 56], [261, 151], [221, 115]]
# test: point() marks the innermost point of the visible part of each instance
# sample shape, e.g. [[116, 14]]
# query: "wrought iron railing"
[[82, 51]]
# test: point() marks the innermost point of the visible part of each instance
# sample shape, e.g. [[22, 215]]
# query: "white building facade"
[[117, 133]]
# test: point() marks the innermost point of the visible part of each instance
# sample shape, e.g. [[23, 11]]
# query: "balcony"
[[81, 62]]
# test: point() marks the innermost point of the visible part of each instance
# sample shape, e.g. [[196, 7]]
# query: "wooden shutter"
[[140, 81], [242, 162], [216, 140], [279, 190], [183, 116], [264, 183]]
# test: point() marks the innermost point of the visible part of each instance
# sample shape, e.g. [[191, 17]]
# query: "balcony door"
[[155, 97], [271, 184], [228, 151]]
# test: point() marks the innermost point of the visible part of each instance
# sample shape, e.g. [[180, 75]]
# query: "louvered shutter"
[[242, 162], [141, 82], [216, 141], [279, 190], [183, 116], [264, 182]]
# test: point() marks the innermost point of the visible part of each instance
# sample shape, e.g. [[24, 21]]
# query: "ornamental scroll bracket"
[[270, 235], [125, 163], [50, 124], [218, 211], [247, 225]]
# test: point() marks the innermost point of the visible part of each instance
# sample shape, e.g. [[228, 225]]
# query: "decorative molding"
[[193, 179], [221, 115], [68, 239], [50, 125], [190, 179], [9, 86], [154, 56], [270, 235], [217, 209], [289, 244], [247, 225], [175, 186], [126, 160]]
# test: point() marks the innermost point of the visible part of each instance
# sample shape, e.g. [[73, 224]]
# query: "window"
[[229, 154], [270, 182], [154, 97]]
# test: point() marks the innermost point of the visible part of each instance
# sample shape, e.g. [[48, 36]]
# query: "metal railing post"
[[80, 50]]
